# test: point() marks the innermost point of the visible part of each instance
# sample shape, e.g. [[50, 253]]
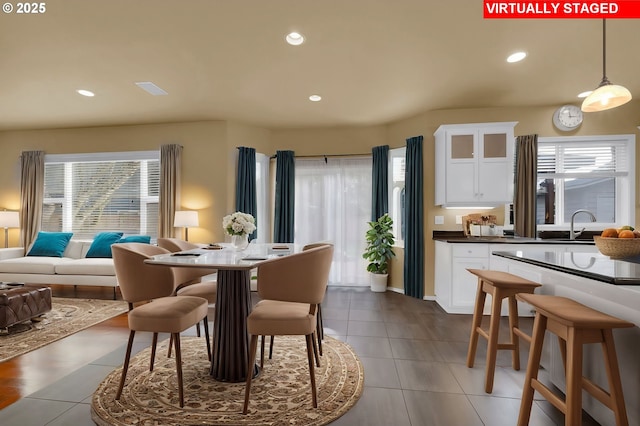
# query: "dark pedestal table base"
[[231, 341]]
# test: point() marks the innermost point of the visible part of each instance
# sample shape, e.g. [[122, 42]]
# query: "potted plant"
[[379, 251]]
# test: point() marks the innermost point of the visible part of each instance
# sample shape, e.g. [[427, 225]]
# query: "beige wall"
[[335, 140], [205, 178], [210, 153]]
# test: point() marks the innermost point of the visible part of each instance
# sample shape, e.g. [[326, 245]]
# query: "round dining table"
[[230, 357]]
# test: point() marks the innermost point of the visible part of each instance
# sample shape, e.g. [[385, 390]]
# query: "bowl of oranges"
[[619, 243]]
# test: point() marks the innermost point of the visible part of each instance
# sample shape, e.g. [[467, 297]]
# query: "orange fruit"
[[610, 233], [626, 233]]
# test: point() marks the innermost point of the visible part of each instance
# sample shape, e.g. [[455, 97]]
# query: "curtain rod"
[[329, 155]]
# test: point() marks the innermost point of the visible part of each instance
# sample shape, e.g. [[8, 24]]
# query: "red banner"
[[561, 9]]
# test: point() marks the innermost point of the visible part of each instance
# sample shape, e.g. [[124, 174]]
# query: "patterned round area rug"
[[67, 316], [280, 395]]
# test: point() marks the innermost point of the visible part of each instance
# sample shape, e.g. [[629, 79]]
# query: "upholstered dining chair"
[[176, 244], [319, 326], [291, 289], [189, 280], [153, 307]]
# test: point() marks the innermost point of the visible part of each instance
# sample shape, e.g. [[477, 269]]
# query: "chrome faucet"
[[572, 233]]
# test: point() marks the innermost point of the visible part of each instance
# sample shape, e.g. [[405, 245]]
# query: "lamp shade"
[[185, 219], [9, 219], [605, 97]]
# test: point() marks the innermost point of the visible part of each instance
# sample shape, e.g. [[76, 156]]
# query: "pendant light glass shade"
[[607, 95]]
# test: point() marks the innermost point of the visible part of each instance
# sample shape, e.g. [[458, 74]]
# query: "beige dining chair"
[[148, 289], [189, 280], [319, 327], [291, 289], [176, 244]]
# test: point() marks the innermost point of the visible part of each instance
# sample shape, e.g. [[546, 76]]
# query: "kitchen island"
[[455, 287], [595, 280]]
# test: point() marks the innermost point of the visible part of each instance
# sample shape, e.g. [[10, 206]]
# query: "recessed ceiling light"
[[294, 39], [85, 92], [315, 98], [585, 94], [516, 57]]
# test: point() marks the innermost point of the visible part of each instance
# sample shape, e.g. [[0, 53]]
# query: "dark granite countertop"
[[458, 237], [594, 266]]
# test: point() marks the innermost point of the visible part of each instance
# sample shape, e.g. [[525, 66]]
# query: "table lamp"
[[8, 220], [185, 219]]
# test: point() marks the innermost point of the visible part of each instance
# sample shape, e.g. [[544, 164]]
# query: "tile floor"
[[414, 359]]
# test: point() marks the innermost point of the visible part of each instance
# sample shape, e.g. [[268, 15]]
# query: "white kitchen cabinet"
[[455, 287], [474, 164]]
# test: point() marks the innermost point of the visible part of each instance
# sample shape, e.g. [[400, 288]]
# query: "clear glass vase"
[[240, 242]]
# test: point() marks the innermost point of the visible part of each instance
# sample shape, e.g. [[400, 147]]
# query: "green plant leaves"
[[379, 247]]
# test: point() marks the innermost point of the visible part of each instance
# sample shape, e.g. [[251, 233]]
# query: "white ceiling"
[[373, 61]]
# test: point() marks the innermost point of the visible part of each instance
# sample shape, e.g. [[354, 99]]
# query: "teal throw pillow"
[[101, 245], [50, 244], [145, 239]]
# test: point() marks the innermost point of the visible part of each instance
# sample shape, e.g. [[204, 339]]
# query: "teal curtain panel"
[[246, 201], [380, 182], [285, 197], [414, 220]]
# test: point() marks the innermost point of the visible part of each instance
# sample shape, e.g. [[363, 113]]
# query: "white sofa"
[[73, 268]]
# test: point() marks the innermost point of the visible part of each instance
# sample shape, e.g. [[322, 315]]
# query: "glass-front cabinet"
[[474, 164]]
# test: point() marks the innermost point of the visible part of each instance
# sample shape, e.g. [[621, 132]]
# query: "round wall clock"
[[567, 118]]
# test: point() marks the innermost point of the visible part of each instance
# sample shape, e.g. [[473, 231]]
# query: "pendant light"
[[607, 95]]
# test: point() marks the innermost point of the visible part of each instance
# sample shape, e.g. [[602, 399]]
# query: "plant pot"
[[378, 282]]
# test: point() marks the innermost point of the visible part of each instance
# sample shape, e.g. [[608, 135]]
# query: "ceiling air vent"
[[151, 88]]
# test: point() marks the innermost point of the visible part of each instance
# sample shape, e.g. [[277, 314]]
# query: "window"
[[397, 158], [89, 193], [262, 200], [592, 173]]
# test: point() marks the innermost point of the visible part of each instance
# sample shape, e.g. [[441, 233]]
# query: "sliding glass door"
[[333, 203]]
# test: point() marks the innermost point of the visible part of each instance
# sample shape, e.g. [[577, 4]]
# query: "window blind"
[[398, 168], [576, 159], [91, 193]]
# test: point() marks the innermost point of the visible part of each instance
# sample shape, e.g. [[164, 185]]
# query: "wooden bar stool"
[[499, 285], [575, 325]]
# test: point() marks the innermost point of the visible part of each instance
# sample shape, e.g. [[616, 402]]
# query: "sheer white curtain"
[[333, 203]]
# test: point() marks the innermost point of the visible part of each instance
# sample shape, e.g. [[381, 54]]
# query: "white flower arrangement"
[[239, 223]]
